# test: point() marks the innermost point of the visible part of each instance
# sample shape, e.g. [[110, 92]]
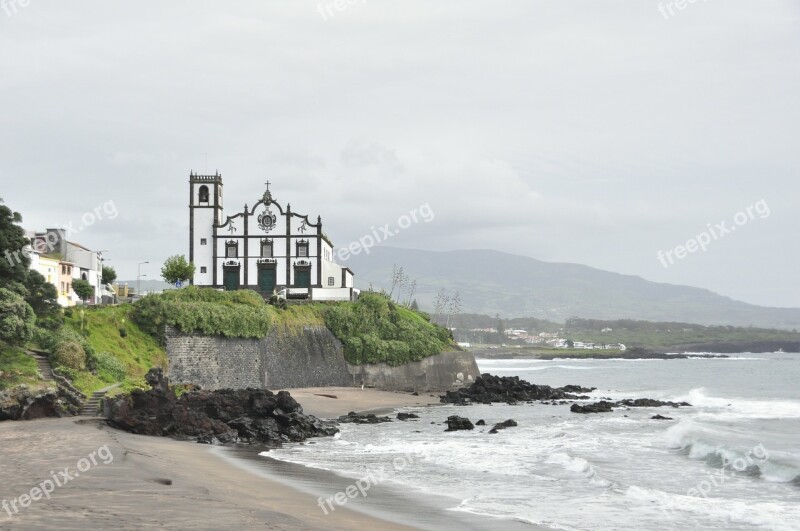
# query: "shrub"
[[240, 313], [16, 318], [70, 354], [106, 364], [375, 330], [123, 332]]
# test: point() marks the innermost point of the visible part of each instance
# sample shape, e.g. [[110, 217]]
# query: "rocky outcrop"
[[369, 418], [456, 423], [488, 389], [226, 416], [598, 407], [407, 416], [510, 423], [24, 403], [605, 406]]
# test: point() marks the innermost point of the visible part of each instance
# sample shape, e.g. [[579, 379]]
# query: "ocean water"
[[732, 461]]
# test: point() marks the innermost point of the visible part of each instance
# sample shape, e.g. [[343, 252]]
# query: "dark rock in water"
[[481, 423], [487, 389], [503, 425], [215, 417], [597, 407], [660, 417], [355, 418], [605, 406], [415, 393], [456, 423], [649, 402], [407, 416]]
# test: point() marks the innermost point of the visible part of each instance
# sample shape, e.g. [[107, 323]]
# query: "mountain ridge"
[[496, 282]]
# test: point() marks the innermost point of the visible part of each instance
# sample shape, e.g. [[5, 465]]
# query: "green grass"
[[372, 330], [120, 359], [17, 368]]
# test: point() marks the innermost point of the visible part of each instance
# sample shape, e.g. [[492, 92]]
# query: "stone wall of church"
[[307, 357]]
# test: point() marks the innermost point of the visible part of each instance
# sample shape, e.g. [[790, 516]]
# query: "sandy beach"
[[113, 479]]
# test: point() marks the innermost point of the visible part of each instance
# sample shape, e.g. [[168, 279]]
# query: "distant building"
[[74, 262]]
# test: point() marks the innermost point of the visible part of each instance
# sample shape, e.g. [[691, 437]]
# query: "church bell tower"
[[205, 213]]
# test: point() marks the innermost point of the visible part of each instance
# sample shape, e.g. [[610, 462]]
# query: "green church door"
[[302, 278], [266, 280], [231, 279]]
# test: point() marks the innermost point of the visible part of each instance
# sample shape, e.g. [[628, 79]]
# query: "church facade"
[[266, 248]]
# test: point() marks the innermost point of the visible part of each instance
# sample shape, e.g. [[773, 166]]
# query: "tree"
[[414, 305], [109, 275], [177, 269], [42, 296], [82, 288], [14, 263], [16, 318]]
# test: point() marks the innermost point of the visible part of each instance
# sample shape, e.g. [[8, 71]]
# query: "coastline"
[[153, 481], [161, 482]]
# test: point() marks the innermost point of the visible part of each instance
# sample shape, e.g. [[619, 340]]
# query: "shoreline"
[[155, 481], [162, 482]]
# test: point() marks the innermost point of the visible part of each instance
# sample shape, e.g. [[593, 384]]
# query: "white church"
[[266, 248]]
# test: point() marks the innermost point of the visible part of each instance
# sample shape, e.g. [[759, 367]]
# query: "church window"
[[203, 269], [203, 241], [302, 248], [266, 248], [231, 250], [203, 194], [331, 281]]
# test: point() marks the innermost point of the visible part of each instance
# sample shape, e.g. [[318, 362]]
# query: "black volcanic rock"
[[481, 423], [649, 402], [660, 417], [226, 416], [407, 416], [597, 407], [456, 423], [487, 389], [503, 425], [605, 406], [355, 418]]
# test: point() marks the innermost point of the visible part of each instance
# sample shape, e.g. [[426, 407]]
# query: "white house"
[[267, 248]]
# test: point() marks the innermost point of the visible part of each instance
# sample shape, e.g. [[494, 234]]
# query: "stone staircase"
[[91, 408], [44, 367]]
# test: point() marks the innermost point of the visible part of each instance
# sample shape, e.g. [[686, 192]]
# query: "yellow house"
[[64, 286]]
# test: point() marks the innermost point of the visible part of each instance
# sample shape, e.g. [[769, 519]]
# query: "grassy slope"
[[138, 351], [17, 368]]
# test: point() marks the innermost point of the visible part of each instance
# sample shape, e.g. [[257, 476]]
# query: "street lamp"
[[138, 277]]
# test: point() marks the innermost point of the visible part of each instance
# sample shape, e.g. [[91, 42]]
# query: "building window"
[[203, 269], [62, 288], [231, 249], [203, 195], [203, 241], [331, 281], [266, 248], [302, 249]]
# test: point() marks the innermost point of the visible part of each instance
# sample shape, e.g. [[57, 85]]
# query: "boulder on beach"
[[226, 416]]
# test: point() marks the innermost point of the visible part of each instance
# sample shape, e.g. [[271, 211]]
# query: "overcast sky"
[[597, 131]]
